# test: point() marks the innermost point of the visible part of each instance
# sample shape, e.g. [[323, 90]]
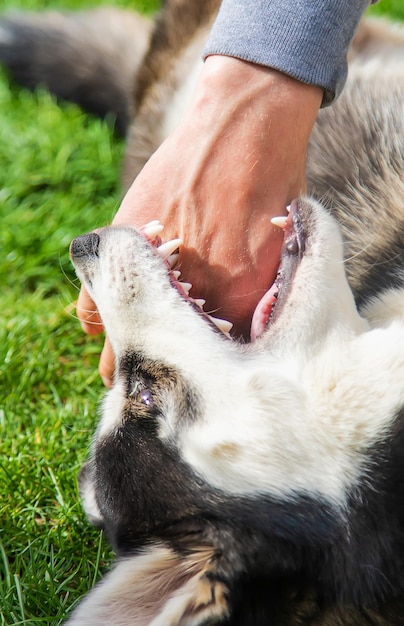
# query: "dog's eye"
[[145, 396], [141, 393]]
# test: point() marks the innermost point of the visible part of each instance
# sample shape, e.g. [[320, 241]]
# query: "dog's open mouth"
[[271, 304], [293, 248], [169, 253]]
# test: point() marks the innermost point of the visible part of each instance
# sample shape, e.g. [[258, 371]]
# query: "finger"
[[87, 313], [107, 364]]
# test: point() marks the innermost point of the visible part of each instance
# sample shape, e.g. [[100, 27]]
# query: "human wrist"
[[224, 77]]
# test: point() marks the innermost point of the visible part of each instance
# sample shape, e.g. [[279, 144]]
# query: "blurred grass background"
[[59, 177]]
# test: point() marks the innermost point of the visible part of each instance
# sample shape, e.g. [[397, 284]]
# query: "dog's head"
[[204, 442]]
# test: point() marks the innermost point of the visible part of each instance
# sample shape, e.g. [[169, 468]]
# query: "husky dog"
[[255, 484]]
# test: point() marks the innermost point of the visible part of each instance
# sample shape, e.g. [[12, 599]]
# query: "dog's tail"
[[90, 58]]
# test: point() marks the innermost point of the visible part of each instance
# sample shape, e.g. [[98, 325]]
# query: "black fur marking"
[[302, 551]]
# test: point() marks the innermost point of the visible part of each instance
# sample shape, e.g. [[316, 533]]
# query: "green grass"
[[390, 8], [59, 173]]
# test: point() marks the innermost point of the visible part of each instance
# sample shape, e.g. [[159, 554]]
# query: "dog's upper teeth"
[[279, 221], [167, 249], [185, 286], [152, 229], [173, 260], [224, 325]]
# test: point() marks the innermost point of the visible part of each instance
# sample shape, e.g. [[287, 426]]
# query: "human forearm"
[[308, 39]]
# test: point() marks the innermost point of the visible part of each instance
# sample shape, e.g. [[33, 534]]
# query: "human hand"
[[236, 160]]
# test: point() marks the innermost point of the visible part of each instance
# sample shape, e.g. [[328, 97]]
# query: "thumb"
[[107, 364], [87, 313]]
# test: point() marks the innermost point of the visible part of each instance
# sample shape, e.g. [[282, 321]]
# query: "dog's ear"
[[156, 588]]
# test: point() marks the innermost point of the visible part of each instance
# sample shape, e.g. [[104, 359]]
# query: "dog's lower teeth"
[[186, 287], [200, 302], [172, 260], [224, 325]]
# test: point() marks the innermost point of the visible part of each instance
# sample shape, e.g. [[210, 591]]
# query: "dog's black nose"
[[85, 245]]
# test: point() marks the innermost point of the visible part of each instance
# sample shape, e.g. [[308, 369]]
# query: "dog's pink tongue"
[[262, 312]]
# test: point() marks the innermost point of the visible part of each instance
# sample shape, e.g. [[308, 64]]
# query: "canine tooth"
[[279, 221], [173, 260], [176, 274], [166, 249], [186, 287], [224, 325], [288, 208], [151, 230], [200, 302]]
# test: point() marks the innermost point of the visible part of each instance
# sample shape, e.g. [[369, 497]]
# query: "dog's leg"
[[90, 58], [156, 588]]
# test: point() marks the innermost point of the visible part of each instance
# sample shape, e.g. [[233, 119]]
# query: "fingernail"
[[107, 381]]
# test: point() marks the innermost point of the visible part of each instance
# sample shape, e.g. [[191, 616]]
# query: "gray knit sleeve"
[[307, 39]]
